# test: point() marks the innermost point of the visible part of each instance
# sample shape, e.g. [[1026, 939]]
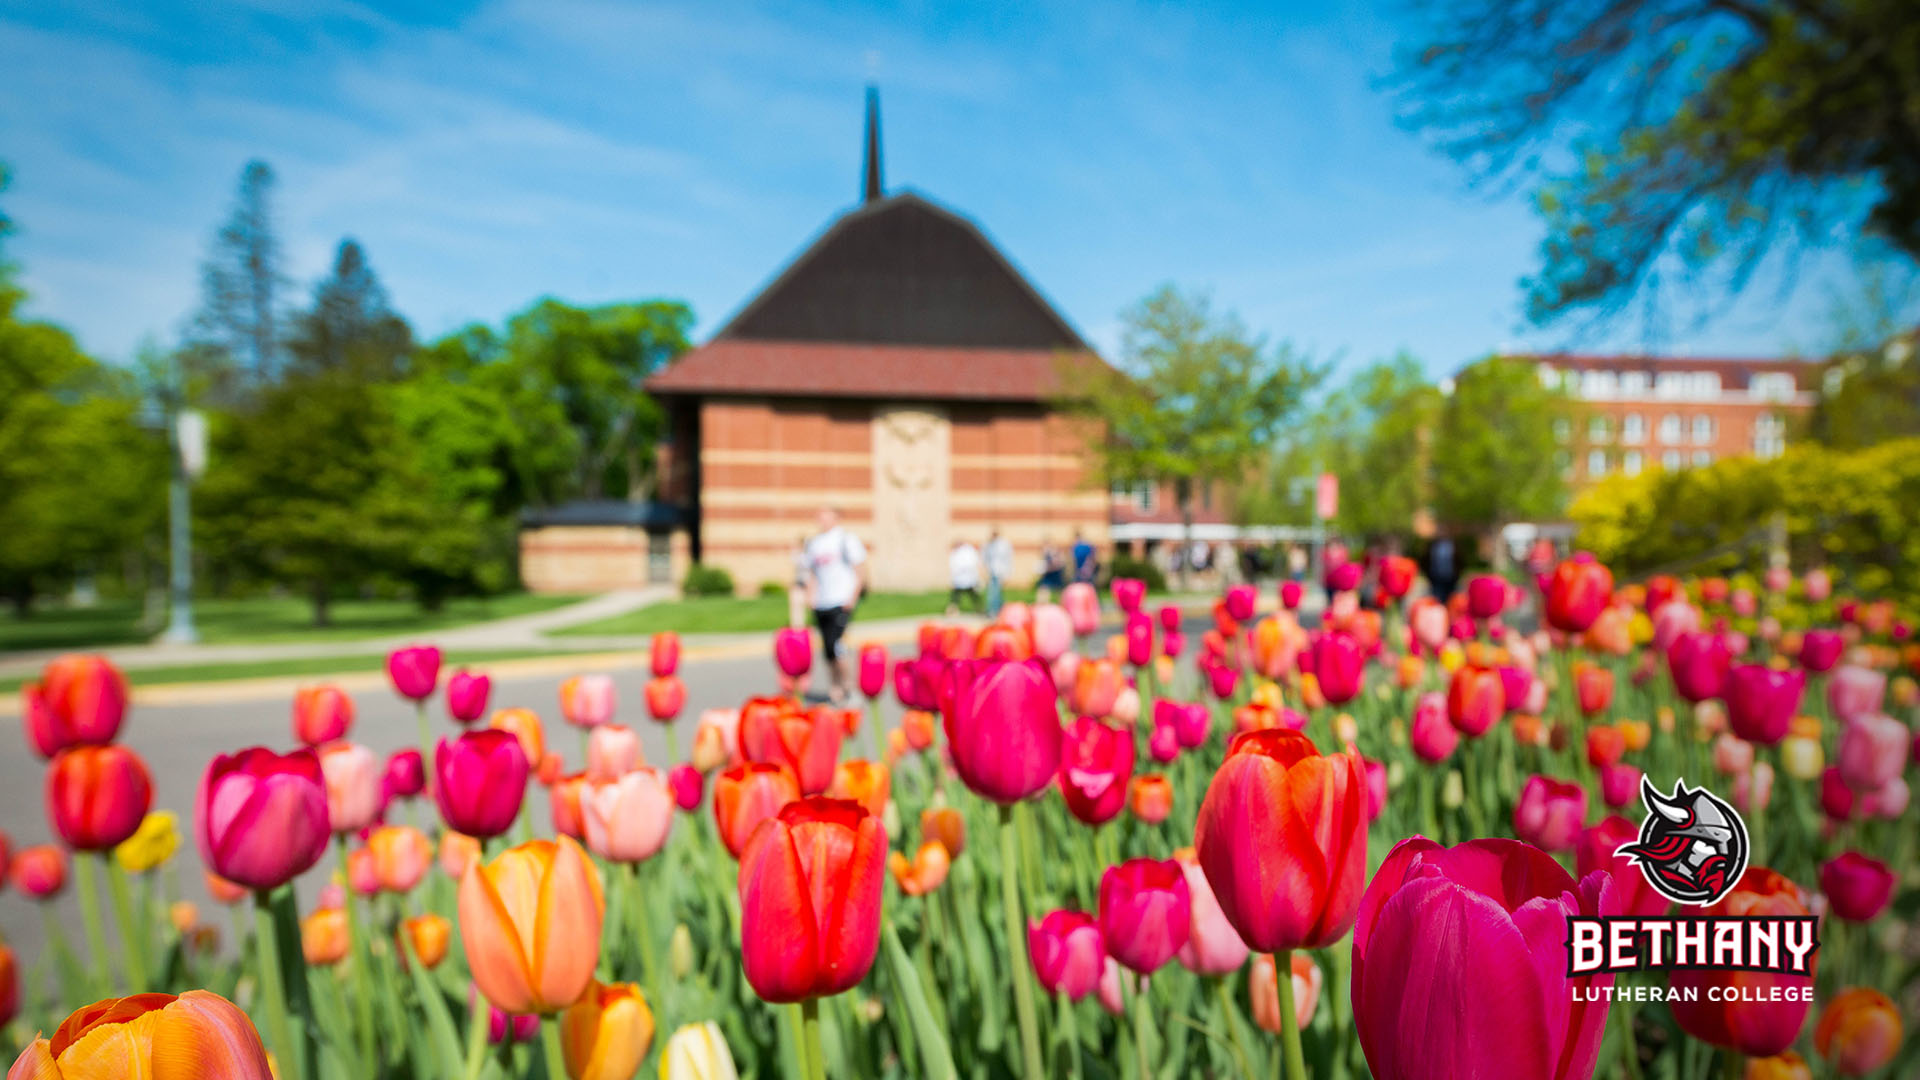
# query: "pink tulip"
[[414, 671], [1671, 620], [1854, 691], [1344, 576], [1427, 619], [1699, 663], [467, 694], [792, 652], [1338, 664], [1887, 802], [663, 654], [1146, 912], [1432, 733], [1753, 789], [1096, 762], [1065, 673], [873, 670], [1241, 600], [587, 701], [1002, 725], [1744, 603], [1761, 702], [1376, 787], [1112, 997], [352, 774], [1858, 887], [1486, 596], [1732, 755], [688, 784], [1515, 685], [480, 780], [260, 818], [1193, 724], [1596, 850], [627, 820], [1213, 946], [405, 775], [1052, 630], [1083, 607], [1128, 594], [1550, 813], [1485, 921], [1164, 743], [1821, 649], [1068, 954], [1290, 595], [1619, 784], [1139, 639], [612, 751], [1873, 751], [1817, 584], [1221, 679]]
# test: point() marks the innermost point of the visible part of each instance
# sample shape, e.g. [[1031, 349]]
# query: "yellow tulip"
[[152, 844], [697, 1052], [605, 1035]]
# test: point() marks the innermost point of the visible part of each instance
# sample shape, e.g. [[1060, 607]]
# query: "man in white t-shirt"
[[837, 577], [999, 558], [963, 573]]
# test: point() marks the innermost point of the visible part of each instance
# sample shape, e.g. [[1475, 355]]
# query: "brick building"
[[1643, 412], [899, 369]]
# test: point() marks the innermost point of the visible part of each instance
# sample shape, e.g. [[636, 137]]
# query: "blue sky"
[[489, 153]]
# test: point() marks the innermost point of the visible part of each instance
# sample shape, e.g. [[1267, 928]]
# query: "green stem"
[[426, 736], [642, 928], [89, 892], [1629, 1049], [133, 932], [1141, 1023], [357, 946], [816, 1058], [477, 1022], [1231, 1018], [276, 988], [1034, 1068], [1296, 1064], [1733, 1066], [550, 1044]]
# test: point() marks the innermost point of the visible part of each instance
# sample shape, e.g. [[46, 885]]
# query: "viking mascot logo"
[[1692, 846]]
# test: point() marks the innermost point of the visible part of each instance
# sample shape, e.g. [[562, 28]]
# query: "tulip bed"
[[1338, 852]]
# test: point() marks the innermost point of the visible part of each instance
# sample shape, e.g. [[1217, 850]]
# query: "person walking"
[[1053, 574], [1085, 566], [1443, 567], [963, 573], [836, 580], [999, 569]]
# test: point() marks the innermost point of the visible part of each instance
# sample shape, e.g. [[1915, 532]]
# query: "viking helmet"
[[1697, 816]]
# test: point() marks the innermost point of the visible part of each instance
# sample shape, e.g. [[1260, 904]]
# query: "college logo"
[[1692, 846]]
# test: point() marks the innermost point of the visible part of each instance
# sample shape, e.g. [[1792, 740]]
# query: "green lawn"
[[313, 665], [726, 614], [262, 619]]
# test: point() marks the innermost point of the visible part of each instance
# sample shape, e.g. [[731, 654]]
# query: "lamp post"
[[187, 443]]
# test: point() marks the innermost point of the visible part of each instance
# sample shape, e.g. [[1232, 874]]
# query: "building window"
[[1599, 429], [1143, 493], [1562, 428], [1633, 429], [1670, 427], [1702, 458], [1769, 436], [1633, 384], [1630, 463], [1771, 386], [1599, 384], [1564, 462], [1670, 460], [1702, 429], [1596, 463]]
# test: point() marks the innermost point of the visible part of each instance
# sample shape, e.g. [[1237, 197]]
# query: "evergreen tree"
[[235, 337]]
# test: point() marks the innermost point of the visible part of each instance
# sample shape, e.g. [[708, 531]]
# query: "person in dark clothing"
[[1443, 567]]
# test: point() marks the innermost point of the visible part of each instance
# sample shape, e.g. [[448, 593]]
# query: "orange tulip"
[[605, 1035], [1096, 686], [198, 1034], [1636, 733], [918, 727], [401, 855], [429, 935], [1151, 798], [748, 794], [530, 921], [925, 873], [808, 743], [1859, 1031], [1409, 671], [225, 891], [1310, 694], [457, 852], [524, 724], [323, 936], [1612, 631], [865, 782], [1788, 1066], [1593, 687], [1000, 642], [183, 915], [1264, 990], [944, 823]]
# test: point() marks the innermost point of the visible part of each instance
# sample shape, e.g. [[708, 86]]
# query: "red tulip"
[[1486, 596], [79, 701], [1003, 727], [39, 871], [414, 671], [1397, 575], [1096, 762], [1068, 953], [1476, 699], [467, 694], [1338, 664], [810, 889], [480, 780], [1550, 813], [1129, 593], [1282, 835], [1605, 745], [1146, 912], [773, 729], [1485, 921], [1139, 639], [666, 696], [664, 654], [873, 670], [97, 795], [1858, 887], [746, 796], [1759, 1027], [1593, 686], [792, 652], [1761, 702], [1577, 591], [1595, 851], [260, 819]]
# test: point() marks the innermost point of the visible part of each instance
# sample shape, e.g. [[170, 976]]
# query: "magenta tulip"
[[1291, 594], [467, 694], [1853, 691], [1221, 679], [1699, 663], [1240, 602], [414, 671], [1139, 639], [1761, 702], [1339, 662], [1344, 577], [1433, 735], [1096, 763], [1619, 784], [1146, 912], [1550, 813], [1128, 594], [1483, 922], [480, 780], [1068, 953], [792, 652], [1873, 751], [1164, 743], [1486, 596], [1003, 726], [1836, 798], [405, 775], [1858, 887], [915, 682], [1597, 850], [1821, 649], [873, 670], [688, 784], [260, 819], [1887, 802]]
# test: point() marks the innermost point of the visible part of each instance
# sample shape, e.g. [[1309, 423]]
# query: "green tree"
[[236, 334], [1676, 137], [1494, 452], [1384, 473], [350, 327], [1195, 398]]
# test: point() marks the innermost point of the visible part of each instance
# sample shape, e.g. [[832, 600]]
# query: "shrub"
[[1126, 566], [773, 588], [707, 581]]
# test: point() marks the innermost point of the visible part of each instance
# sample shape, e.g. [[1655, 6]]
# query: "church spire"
[[873, 192]]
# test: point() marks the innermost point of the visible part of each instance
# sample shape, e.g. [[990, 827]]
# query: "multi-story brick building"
[[1644, 412], [900, 370]]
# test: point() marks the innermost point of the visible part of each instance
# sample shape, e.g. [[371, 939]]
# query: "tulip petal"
[[494, 952], [35, 1063], [202, 1036], [566, 931], [781, 967]]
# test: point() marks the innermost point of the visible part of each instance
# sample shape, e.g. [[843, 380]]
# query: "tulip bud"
[[352, 774], [429, 935], [414, 671], [323, 937], [1550, 813], [846, 849], [1151, 798], [1068, 953], [1264, 991], [688, 785], [152, 844], [40, 872], [480, 781], [588, 701], [535, 955], [1858, 887], [405, 775], [467, 694], [612, 750], [606, 1034], [1859, 1031], [697, 1052], [321, 714]]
